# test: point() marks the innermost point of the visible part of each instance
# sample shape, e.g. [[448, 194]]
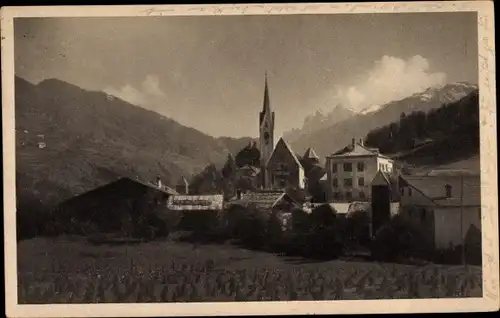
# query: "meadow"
[[71, 270]]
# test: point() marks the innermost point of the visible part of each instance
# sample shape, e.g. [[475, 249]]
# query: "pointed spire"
[[266, 108]]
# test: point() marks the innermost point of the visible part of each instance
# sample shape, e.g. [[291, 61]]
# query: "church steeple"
[[266, 128], [266, 105]]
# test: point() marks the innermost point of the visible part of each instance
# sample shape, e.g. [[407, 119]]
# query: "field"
[[70, 270]]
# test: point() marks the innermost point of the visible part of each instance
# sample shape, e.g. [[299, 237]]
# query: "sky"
[[207, 72]]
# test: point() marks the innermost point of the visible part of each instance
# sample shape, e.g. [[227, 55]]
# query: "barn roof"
[[433, 187], [196, 202]]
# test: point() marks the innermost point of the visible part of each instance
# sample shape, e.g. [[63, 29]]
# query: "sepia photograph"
[[174, 156]]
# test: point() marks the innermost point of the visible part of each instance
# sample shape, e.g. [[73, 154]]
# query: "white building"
[[441, 202], [351, 170]]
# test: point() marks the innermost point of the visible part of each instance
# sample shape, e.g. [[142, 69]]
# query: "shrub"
[[247, 224], [401, 238], [357, 228]]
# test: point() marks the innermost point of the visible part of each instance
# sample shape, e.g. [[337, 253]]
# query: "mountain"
[[313, 123], [439, 137], [328, 140], [70, 140]]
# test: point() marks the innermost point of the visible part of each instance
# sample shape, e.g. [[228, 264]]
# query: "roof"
[[310, 154], [264, 199], [357, 150], [151, 185], [196, 202], [287, 146], [381, 178], [433, 187], [250, 168]]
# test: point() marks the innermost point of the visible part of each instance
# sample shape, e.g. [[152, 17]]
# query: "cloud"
[[390, 78], [149, 95]]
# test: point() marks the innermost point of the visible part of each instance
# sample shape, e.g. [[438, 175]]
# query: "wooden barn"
[[114, 207]]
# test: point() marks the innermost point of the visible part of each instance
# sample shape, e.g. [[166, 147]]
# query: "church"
[[280, 168]]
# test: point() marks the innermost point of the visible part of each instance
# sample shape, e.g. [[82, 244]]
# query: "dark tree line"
[[458, 120]]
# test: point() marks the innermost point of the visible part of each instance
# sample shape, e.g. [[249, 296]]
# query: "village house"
[[351, 169], [446, 205], [197, 212], [277, 203]]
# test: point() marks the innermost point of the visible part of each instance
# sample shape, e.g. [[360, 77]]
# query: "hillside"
[[441, 136], [69, 140], [327, 140]]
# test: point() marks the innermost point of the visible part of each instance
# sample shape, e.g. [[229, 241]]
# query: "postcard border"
[[488, 159]]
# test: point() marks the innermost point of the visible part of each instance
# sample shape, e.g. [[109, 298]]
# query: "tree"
[[300, 220], [401, 238], [229, 169], [323, 217], [250, 155]]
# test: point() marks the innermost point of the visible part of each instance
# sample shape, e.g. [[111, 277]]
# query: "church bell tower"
[[266, 128]]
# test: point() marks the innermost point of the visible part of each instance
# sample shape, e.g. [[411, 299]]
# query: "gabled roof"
[[164, 188], [196, 202], [310, 154], [357, 150], [264, 199], [381, 178], [282, 141], [433, 187]]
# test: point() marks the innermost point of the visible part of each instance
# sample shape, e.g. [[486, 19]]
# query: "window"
[[361, 166], [336, 195], [361, 182], [348, 195], [283, 166], [282, 183], [334, 167], [335, 182], [362, 195], [348, 182], [448, 190], [422, 215], [348, 166]]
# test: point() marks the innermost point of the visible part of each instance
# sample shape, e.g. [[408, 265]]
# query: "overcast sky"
[[208, 72]]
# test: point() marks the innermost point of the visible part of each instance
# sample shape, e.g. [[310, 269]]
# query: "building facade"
[[351, 170], [284, 169], [447, 206]]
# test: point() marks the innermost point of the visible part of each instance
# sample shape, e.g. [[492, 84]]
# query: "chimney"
[[158, 182], [238, 194], [361, 142], [353, 142]]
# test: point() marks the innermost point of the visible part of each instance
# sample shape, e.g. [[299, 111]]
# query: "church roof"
[[288, 148], [310, 154]]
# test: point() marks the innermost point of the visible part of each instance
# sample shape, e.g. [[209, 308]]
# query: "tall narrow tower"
[[266, 128]]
